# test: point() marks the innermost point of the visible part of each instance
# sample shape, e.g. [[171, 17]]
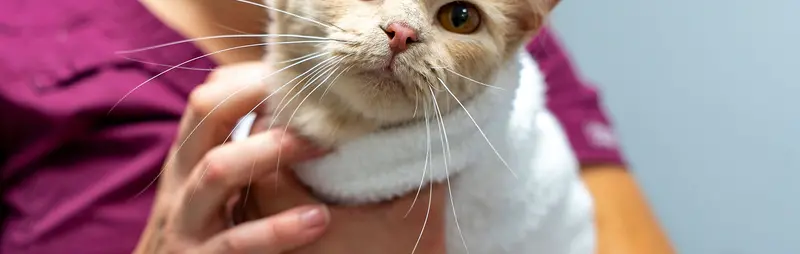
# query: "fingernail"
[[314, 217]]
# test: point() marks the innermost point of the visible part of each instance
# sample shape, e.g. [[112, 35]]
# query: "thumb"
[[272, 235]]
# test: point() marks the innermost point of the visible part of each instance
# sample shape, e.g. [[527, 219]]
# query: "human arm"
[[624, 220], [202, 18]]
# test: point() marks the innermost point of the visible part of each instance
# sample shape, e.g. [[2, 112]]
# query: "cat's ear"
[[539, 11], [546, 5]]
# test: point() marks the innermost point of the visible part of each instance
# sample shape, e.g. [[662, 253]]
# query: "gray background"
[[705, 98]]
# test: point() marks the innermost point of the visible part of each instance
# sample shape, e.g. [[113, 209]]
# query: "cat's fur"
[[519, 195]]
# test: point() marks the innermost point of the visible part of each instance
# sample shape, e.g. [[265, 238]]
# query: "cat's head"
[[396, 56]]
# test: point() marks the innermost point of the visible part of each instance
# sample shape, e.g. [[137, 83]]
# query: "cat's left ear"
[[540, 10]]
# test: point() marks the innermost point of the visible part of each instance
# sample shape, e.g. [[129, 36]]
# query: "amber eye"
[[460, 17]]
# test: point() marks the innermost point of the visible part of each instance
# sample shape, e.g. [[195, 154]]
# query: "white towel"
[[537, 204]]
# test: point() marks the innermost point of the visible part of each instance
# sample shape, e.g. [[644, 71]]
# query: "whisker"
[[208, 69], [226, 36], [205, 170], [194, 59], [249, 184], [416, 103], [479, 128], [311, 73], [317, 69], [290, 14], [427, 160], [298, 58], [445, 155], [427, 213], [470, 79], [230, 28], [288, 122], [233, 94], [334, 81], [329, 67], [167, 65], [273, 93], [438, 110], [171, 157]]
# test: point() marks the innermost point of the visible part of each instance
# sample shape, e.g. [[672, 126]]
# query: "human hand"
[[202, 176]]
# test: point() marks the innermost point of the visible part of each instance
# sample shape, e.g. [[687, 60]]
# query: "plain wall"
[[705, 96]]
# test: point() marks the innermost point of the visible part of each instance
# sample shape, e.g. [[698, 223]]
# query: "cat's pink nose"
[[400, 36]]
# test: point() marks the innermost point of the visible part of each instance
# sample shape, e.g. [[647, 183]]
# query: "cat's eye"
[[460, 17]]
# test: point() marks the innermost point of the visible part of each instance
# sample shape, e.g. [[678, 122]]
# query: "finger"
[[272, 235], [261, 123], [281, 191], [214, 109], [228, 168]]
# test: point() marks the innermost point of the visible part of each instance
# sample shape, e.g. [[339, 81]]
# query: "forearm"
[[201, 18], [625, 223]]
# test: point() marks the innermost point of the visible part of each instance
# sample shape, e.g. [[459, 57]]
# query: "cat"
[[386, 83]]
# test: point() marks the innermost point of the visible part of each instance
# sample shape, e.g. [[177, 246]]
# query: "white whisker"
[[329, 67], [249, 184], [298, 58], [317, 69], [171, 157], [194, 59], [230, 28], [416, 103], [427, 213], [226, 36], [288, 122], [264, 100], [470, 79], [167, 65], [334, 81], [208, 69], [236, 92], [321, 66], [445, 155], [289, 13], [276, 90], [427, 159], [479, 129]]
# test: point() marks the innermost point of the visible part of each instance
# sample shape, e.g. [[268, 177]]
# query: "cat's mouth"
[[390, 64], [390, 71]]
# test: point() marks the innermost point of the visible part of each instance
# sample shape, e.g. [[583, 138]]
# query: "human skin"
[[625, 222]]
